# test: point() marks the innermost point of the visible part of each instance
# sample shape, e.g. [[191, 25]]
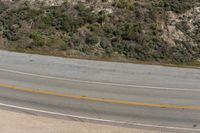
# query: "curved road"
[[143, 96]]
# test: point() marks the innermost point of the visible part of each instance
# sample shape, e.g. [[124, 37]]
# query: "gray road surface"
[[117, 81]]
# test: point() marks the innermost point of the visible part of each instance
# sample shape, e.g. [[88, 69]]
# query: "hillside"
[[165, 31]]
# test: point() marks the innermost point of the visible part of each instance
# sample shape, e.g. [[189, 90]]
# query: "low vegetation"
[[127, 29]]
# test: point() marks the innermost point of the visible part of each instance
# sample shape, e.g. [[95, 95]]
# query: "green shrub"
[[91, 39]]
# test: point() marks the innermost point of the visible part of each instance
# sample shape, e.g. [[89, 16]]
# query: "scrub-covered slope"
[[144, 30]]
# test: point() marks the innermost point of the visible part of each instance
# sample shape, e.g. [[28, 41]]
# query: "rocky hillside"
[[145, 30]]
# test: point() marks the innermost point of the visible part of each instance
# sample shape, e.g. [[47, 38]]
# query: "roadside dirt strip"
[[15, 122]]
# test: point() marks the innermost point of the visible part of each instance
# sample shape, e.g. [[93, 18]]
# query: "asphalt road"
[[144, 96]]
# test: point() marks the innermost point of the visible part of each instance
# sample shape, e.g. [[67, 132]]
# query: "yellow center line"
[[95, 99]]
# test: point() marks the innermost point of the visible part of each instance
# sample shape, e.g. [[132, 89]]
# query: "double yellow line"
[[94, 99]]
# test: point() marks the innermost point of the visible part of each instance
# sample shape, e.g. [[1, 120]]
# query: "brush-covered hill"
[[142, 30]]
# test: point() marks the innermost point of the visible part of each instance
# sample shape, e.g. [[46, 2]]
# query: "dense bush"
[[3, 7], [125, 4], [178, 6]]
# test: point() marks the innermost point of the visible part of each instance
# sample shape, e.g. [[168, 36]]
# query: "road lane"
[[123, 73], [96, 99], [152, 85], [123, 113], [142, 94]]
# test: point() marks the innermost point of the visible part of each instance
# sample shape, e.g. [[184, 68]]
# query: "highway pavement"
[[143, 96]]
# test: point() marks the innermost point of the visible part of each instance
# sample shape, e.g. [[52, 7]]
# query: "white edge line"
[[95, 119], [96, 82]]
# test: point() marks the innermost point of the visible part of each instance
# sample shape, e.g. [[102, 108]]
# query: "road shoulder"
[[16, 122]]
